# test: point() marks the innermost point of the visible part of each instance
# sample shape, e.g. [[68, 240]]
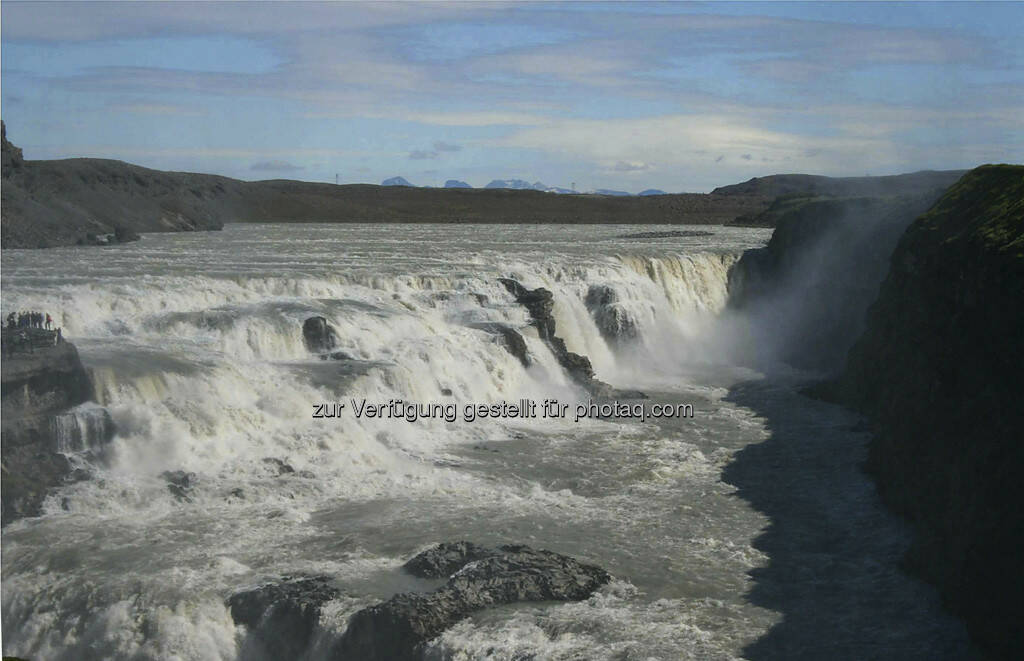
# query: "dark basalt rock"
[[278, 466], [510, 339], [670, 234], [398, 629], [125, 234], [445, 559], [40, 386], [540, 303], [282, 617], [320, 338], [617, 327], [180, 483]]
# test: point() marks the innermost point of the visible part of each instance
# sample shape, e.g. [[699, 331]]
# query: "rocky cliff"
[[938, 370], [806, 292], [43, 419]]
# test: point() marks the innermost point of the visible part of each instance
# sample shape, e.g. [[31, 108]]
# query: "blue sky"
[[676, 96]]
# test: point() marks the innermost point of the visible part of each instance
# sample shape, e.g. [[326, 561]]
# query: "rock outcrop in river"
[[41, 390], [397, 629], [321, 339], [282, 618], [540, 304], [938, 371]]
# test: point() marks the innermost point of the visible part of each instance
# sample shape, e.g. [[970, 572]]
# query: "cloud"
[[631, 166], [440, 147], [276, 166], [167, 109], [612, 92]]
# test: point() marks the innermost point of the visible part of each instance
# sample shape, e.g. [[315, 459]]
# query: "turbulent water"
[[746, 531]]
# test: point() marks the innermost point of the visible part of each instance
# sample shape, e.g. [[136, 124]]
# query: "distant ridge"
[[455, 183], [396, 181], [900, 184], [82, 200]]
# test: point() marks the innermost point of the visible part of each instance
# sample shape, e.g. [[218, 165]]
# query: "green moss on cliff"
[[987, 206]]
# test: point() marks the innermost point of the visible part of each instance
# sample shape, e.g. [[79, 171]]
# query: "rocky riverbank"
[[43, 420]]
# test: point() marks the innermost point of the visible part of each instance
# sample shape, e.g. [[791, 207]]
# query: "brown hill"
[[64, 202], [923, 182]]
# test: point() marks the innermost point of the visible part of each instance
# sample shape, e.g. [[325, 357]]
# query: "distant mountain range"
[[522, 184]]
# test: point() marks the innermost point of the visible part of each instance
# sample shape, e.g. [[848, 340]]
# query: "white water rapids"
[[195, 346]]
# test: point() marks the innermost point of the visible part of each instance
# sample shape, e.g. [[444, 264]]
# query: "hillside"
[[62, 202], [71, 201], [776, 185]]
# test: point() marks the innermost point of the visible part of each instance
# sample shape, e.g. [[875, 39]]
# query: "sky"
[[680, 97]]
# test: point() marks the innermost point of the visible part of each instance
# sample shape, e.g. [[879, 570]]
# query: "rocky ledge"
[[283, 617], [43, 420]]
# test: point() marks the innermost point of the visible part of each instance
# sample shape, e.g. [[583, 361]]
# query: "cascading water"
[[195, 346]]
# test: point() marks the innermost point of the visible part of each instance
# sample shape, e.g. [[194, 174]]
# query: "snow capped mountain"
[[396, 181], [515, 184], [523, 184]]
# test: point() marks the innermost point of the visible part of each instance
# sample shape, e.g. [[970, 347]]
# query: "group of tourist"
[[27, 330], [29, 320]]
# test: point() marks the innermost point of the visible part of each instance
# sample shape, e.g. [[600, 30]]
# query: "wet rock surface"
[[320, 338], [540, 304], [39, 389], [445, 559], [510, 339], [180, 483], [398, 629], [614, 322], [282, 617]]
